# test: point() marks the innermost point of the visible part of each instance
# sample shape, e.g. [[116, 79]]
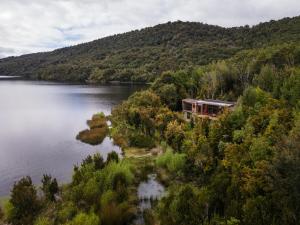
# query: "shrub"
[[86, 219], [174, 162], [141, 141], [112, 156], [117, 213], [67, 212], [163, 160], [114, 169], [91, 190], [98, 120], [50, 187], [43, 221], [184, 204], [177, 162]]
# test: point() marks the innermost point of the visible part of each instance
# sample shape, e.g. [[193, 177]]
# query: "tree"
[[286, 169], [265, 79], [119, 185], [112, 156], [98, 161], [291, 87], [169, 96], [49, 187], [184, 206], [24, 202], [175, 135]]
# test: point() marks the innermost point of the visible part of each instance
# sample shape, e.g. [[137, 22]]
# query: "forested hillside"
[[143, 55]]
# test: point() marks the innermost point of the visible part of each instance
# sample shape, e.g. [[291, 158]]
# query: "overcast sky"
[[41, 25]]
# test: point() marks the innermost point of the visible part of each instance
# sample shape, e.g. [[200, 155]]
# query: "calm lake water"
[[39, 122]]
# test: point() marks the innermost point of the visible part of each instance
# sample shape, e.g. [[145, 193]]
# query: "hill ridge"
[[142, 55]]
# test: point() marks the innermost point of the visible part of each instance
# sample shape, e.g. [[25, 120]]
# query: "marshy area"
[[147, 189]]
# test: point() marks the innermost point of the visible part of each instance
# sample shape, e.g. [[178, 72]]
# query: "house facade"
[[207, 108]]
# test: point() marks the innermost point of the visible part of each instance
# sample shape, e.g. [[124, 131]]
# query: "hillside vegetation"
[[142, 55]]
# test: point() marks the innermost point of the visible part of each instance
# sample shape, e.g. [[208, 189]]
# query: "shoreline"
[[113, 82]]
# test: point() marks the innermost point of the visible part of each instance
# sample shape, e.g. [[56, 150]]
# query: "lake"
[[39, 122]]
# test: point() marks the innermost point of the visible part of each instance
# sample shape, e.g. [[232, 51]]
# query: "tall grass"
[[174, 162]]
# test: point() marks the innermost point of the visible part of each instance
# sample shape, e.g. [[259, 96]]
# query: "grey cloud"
[[42, 25]]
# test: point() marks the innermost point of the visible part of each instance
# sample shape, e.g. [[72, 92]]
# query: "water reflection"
[[148, 191]]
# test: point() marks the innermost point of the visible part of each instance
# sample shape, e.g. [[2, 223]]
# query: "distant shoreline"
[[117, 82], [9, 77]]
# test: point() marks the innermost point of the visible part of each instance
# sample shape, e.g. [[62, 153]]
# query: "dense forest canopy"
[[142, 55]]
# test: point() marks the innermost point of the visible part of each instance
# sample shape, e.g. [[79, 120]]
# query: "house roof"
[[210, 102], [190, 100]]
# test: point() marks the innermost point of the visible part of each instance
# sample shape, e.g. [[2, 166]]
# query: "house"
[[207, 108]]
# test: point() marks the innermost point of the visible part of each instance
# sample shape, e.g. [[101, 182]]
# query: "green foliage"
[[174, 135], [113, 214], [23, 205], [134, 120], [98, 161], [233, 221], [112, 156], [98, 191], [184, 205], [50, 187], [265, 79], [172, 87], [113, 169], [174, 162], [67, 212], [260, 149], [43, 221], [141, 141], [255, 97], [291, 87], [86, 219], [8, 210]]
